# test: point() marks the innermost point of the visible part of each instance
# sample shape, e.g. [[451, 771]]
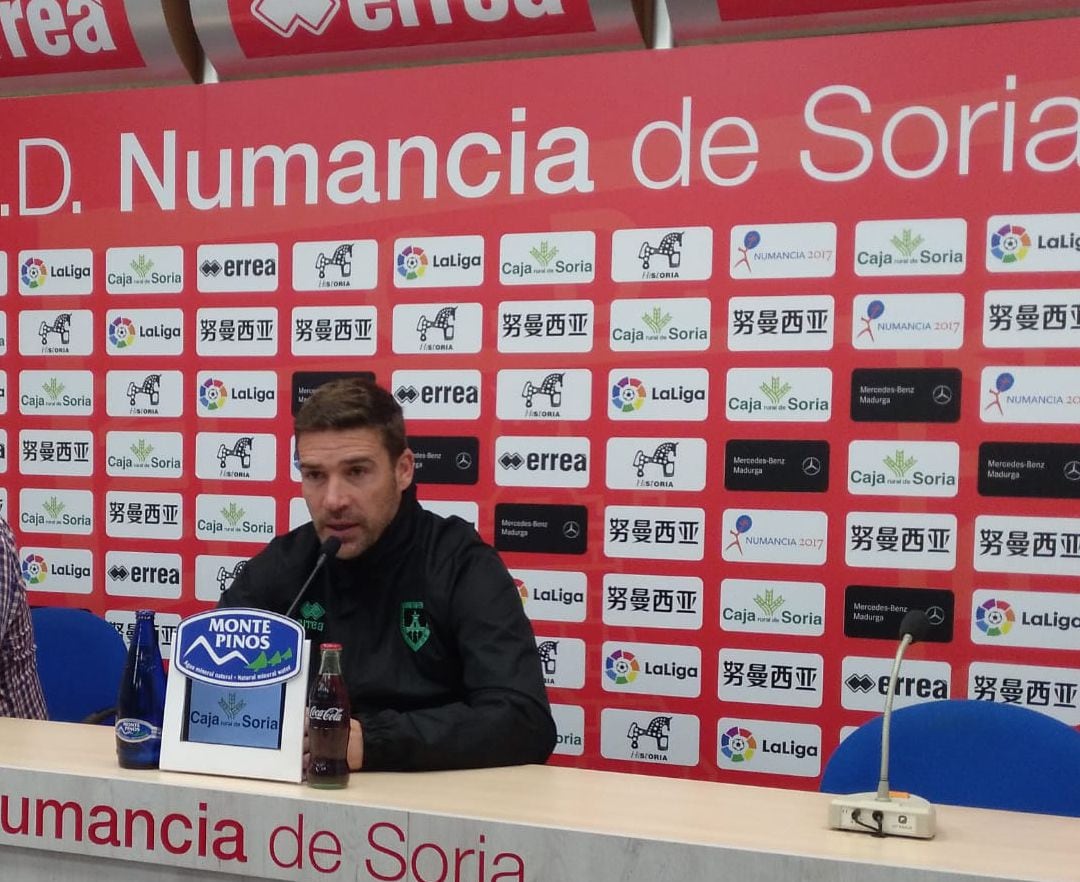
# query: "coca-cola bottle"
[[141, 703], [328, 723]]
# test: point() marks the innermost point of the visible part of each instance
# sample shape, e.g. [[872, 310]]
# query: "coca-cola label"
[[268, 28], [65, 36], [326, 714], [238, 647]]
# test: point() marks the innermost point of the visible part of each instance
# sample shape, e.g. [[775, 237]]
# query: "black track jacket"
[[438, 654]]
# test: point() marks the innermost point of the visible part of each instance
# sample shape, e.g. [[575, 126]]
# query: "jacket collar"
[[394, 539]]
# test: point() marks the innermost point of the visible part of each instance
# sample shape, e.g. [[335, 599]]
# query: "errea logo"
[[240, 267], [865, 682], [449, 395], [143, 574], [541, 461]]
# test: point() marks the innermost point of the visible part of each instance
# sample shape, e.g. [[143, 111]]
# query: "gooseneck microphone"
[[326, 551], [884, 813], [913, 628]]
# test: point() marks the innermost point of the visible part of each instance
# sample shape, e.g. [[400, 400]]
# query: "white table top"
[[969, 841]]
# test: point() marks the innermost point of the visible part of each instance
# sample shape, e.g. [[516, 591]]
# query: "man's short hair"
[[353, 403]]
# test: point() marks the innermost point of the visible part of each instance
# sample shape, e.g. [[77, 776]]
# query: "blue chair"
[[80, 660], [973, 753]]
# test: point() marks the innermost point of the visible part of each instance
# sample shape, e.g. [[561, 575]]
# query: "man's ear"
[[403, 469]]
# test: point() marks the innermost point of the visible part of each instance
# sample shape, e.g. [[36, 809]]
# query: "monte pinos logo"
[[238, 647]]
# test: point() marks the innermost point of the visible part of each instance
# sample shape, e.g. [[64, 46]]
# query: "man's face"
[[351, 486]]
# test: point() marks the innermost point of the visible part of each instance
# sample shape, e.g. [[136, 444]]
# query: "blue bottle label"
[[133, 731]]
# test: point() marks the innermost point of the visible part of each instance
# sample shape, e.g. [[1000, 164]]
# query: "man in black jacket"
[[438, 655]]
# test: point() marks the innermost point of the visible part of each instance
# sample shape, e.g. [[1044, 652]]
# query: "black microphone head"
[[330, 547], [916, 624]]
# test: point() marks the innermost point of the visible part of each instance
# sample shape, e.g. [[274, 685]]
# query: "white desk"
[[534, 823]]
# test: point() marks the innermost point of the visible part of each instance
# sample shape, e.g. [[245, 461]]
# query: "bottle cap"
[[330, 646]]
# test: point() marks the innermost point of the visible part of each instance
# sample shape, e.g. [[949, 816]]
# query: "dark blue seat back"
[[80, 659], [973, 753]]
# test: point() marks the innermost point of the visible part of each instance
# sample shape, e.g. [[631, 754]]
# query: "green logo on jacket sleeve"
[[414, 626]]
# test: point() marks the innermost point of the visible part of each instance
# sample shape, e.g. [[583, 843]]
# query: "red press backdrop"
[[736, 352]]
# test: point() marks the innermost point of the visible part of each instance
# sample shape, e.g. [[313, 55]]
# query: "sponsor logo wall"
[[725, 419]]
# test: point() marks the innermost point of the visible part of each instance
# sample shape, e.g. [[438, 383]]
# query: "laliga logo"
[[621, 667], [1010, 244], [213, 394], [34, 272], [34, 569], [628, 395], [995, 618], [412, 263], [738, 744], [283, 17], [122, 332], [238, 647], [522, 589]]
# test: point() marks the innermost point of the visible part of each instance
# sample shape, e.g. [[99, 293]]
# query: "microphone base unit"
[[906, 815]]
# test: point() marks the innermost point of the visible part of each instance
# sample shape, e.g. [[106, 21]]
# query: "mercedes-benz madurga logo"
[[571, 529], [942, 395], [1072, 470], [811, 466]]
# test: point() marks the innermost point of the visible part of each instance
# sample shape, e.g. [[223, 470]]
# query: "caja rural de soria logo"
[[33, 272], [995, 618], [412, 263], [213, 394], [621, 667], [1010, 244], [738, 744], [34, 569], [628, 395], [122, 332]]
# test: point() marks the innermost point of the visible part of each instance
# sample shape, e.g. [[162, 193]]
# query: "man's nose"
[[336, 497]]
